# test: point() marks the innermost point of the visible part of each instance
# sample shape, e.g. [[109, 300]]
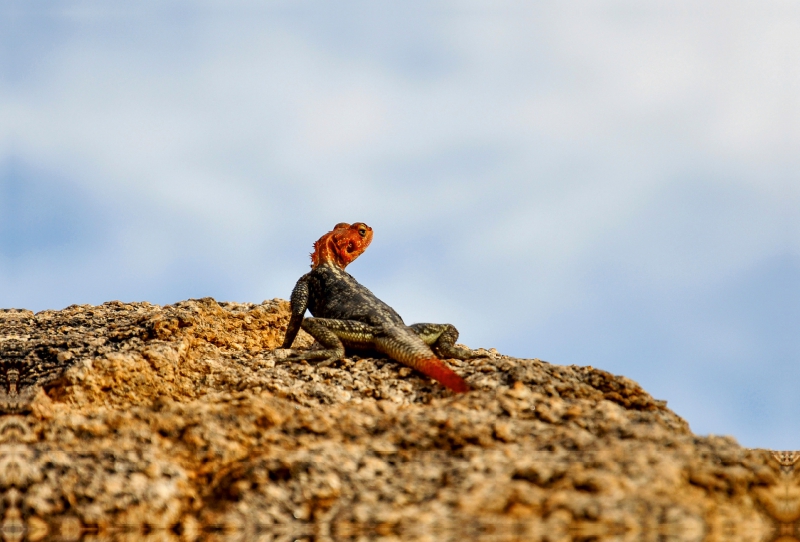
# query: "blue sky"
[[596, 183]]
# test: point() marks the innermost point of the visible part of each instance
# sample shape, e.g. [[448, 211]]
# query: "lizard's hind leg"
[[442, 340], [333, 335]]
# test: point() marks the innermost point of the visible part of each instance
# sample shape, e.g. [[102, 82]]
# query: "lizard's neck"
[[327, 253], [332, 268]]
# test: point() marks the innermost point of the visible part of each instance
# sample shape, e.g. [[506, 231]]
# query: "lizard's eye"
[[362, 231]]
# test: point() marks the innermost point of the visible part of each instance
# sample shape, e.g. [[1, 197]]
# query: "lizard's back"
[[334, 293]]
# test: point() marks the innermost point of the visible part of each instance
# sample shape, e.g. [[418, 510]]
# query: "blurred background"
[[603, 183]]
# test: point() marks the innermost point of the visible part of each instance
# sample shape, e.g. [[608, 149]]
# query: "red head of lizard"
[[343, 244]]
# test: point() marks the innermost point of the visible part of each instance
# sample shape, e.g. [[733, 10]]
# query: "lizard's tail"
[[435, 368]]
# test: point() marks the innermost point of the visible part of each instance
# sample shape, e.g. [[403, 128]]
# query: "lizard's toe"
[[459, 352], [289, 354], [328, 362], [483, 353], [318, 357]]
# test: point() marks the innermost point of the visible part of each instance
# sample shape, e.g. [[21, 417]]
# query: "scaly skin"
[[348, 315]]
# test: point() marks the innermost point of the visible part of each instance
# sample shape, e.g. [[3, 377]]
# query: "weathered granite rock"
[[180, 422]]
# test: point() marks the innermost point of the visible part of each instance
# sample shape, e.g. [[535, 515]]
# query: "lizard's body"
[[348, 315]]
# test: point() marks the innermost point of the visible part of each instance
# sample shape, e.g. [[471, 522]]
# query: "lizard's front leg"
[[442, 340], [333, 335]]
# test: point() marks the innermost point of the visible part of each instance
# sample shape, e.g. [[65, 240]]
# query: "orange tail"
[[435, 368]]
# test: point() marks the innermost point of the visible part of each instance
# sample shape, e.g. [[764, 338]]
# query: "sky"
[[604, 183]]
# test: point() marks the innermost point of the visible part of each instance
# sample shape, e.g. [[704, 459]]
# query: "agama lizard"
[[348, 315]]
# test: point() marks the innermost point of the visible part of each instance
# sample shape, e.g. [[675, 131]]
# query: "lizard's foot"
[[457, 351], [332, 335], [325, 357], [484, 353], [442, 340]]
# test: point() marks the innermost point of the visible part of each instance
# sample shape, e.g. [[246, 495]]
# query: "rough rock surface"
[[181, 422]]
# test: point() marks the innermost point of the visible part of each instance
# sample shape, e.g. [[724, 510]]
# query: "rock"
[[135, 419]]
